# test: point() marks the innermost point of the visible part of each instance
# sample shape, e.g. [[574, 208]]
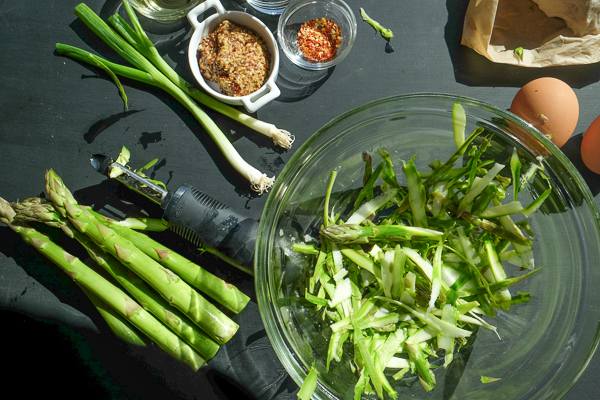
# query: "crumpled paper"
[[495, 28]]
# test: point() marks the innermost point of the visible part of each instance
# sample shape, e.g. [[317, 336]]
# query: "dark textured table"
[[55, 112]]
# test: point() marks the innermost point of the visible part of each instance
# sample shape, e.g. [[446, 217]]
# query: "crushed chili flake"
[[319, 39], [234, 57]]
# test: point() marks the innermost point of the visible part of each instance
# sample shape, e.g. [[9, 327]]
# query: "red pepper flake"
[[319, 39]]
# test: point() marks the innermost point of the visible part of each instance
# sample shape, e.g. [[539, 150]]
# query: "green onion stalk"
[[136, 36], [146, 72], [105, 291], [170, 286]]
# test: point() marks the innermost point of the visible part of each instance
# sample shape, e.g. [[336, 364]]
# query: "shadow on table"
[[473, 69], [297, 83], [249, 360], [572, 151]]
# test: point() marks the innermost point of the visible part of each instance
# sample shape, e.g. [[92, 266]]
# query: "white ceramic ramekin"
[[269, 90]]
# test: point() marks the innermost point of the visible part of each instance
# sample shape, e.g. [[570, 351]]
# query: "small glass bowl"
[[165, 12], [301, 11]]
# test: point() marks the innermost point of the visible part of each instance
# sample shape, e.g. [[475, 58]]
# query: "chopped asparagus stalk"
[[417, 198], [459, 123], [386, 33], [413, 271], [309, 385]]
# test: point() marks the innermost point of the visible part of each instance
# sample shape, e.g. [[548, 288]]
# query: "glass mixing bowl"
[[545, 344]]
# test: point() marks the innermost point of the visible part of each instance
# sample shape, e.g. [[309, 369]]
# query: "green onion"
[[139, 40], [145, 72]]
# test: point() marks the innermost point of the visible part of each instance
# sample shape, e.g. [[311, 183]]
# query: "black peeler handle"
[[213, 223]]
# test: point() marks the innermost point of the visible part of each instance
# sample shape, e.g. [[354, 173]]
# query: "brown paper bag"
[[495, 28]]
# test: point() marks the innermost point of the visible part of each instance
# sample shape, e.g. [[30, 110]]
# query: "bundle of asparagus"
[[164, 304]]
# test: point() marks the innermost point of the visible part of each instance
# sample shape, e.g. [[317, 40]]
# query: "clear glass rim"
[[168, 15]]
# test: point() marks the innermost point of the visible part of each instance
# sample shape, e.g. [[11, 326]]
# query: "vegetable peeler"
[[191, 213]]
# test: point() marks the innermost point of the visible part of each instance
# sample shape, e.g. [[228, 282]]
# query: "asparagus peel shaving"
[[386, 33], [421, 266], [144, 71], [105, 291], [172, 288]]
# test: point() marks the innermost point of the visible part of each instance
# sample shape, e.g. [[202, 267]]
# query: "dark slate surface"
[[55, 112]]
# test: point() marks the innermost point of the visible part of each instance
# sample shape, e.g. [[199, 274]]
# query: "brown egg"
[[551, 106], [590, 146]]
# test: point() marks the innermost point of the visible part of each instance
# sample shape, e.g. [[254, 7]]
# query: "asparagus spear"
[[172, 288], [115, 322], [106, 292], [221, 291], [354, 233], [36, 209], [155, 304]]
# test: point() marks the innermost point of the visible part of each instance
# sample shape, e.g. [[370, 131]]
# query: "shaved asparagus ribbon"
[[413, 283]]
